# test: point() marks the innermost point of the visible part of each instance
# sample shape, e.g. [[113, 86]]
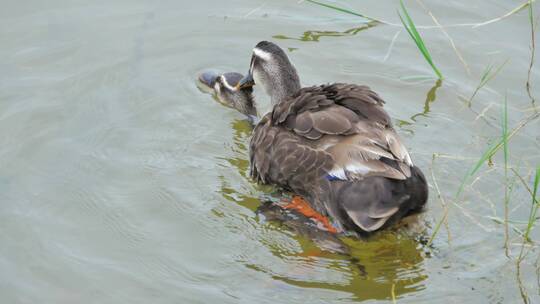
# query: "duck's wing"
[[337, 136], [281, 157], [348, 122]]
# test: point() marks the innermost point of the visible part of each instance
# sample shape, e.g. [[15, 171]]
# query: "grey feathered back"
[[335, 145]]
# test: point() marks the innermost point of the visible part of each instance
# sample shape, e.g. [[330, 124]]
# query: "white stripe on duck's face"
[[264, 55], [227, 84], [260, 58]]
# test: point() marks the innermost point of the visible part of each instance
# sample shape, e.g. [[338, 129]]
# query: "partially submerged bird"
[[334, 146], [224, 87]]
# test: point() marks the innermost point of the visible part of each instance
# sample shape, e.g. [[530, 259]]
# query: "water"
[[122, 183]]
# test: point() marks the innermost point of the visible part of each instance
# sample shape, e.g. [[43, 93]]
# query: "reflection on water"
[[369, 271], [316, 35], [430, 98], [242, 131]]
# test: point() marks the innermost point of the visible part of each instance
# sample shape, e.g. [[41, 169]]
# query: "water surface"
[[122, 183]]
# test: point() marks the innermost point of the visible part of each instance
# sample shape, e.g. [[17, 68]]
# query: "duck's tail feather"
[[367, 205]]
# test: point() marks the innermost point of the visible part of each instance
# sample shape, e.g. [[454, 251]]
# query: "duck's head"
[[271, 68], [224, 87]]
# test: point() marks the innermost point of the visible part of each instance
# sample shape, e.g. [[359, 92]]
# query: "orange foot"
[[303, 207]]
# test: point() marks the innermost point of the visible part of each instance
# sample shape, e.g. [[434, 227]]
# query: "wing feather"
[[337, 131]]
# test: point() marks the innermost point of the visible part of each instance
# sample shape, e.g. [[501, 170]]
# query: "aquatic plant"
[[413, 32], [487, 75], [344, 10], [533, 49], [504, 123], [493, 148], [534, 206], [526, 239]]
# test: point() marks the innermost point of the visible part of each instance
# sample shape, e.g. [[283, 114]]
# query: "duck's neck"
[[283, 90], [283, 84]]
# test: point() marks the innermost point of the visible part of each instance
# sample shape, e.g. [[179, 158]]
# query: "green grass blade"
[[339, 9], [536, 180], [534, 205], [486, 74], [485, 156], [486, 77], [413, 32], [506, 186], [531, 17], [493, 149], [505, 132]]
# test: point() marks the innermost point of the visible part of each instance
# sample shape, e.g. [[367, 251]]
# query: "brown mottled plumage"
[[332, 144], [309, 140]]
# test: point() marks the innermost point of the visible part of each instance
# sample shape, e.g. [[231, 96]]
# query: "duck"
[[332, 145], [224, 88]]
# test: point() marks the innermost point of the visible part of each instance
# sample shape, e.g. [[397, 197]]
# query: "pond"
[[121, 182]]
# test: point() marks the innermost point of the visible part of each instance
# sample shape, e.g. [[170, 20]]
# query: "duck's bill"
[[245, 82], [208, 79]]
